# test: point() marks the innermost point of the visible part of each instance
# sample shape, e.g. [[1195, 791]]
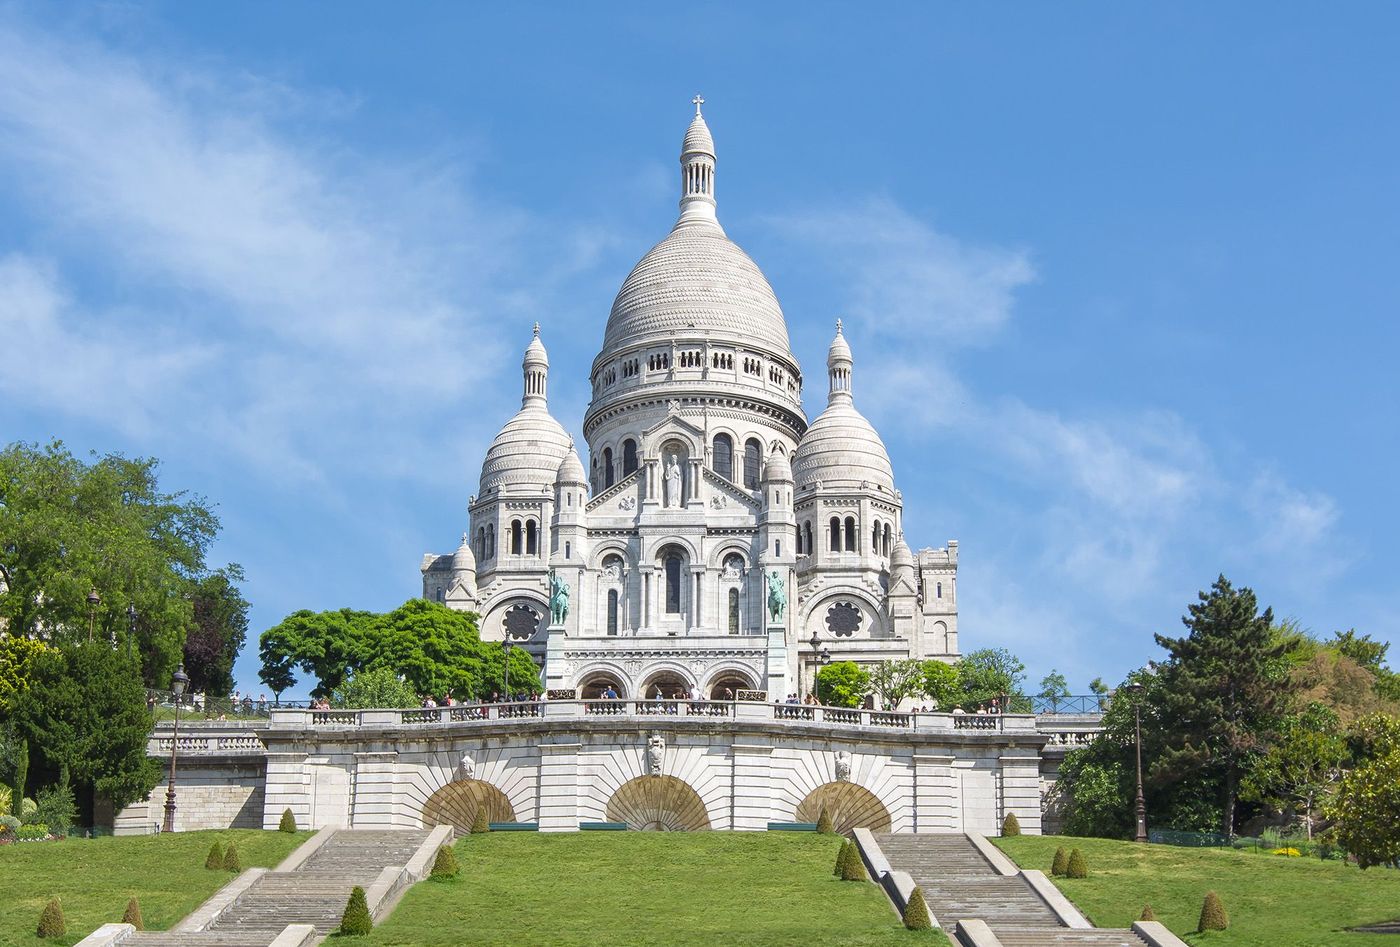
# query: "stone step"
[[1064, 937], [201, 939]]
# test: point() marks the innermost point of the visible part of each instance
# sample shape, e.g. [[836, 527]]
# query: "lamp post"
[[820, 656], [177, 687], [506, 646], [1140, 804], [93, 600]]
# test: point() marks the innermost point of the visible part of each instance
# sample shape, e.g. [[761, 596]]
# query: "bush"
[[28, 810], [51, 922], [445, 864], [355, 922], [6, 794], [1060, 865], [1147, 913], [1213, 916], [480, 823], [841, 857], [843, 684], [132, 915], [215, 861], [34, 832], [231, 861], [824, 825], [288, 823], [916, 912], [55, 808], [853, 869], [9, 825], [1077, 867], [1010, 825]]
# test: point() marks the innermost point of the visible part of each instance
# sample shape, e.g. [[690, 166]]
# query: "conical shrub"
[[480, 823], [1010, 825], [1060, 865], [1147, 913], [355, 922], [853, 869], [841, 857], [445, 866], [132, 915], [51, 922], [215, 861], [824, 825], [1213, 916], [288, 823], [231, 860], [1078, 867], [916, 912]]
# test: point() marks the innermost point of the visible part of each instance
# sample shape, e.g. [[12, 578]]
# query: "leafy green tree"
[[368, 689], [894, 681], [1372, 737], [326, 645], [940, 684], [1362, 649], [1223, 690], [1098, 688], [843, 684], [1367, 811], [217, 634], [1054, 685], [1301, 767], [989, 674]]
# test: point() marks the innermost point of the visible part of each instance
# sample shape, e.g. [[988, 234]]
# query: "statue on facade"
[[673, 483], [843, 766], [656, 753], [466, 767], [558, 599], [777, 596]]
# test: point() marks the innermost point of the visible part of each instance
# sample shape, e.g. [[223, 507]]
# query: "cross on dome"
[[537, 330], [838, 326], [698, 101]]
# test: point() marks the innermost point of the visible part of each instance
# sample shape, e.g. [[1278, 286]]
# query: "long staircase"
[[960, 883]]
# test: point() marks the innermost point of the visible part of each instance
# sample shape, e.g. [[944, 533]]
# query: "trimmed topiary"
[[824, 825], [1147, 913], [355, 922], [841, 857], [1213, 916], [231, 861], [1077, 867], [480, 823], [853, 869], [444, 865], [215, 861], [1060, 865], [288, 823], [916, 912], [132, 915], [51, 922], [1010, 825]]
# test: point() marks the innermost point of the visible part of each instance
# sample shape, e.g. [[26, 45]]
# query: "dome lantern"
[[838, 368], [536, 368], [698, 168]]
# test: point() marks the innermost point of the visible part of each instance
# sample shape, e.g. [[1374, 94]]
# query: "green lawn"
[[1271, 900], [95, 877], [655, 889]]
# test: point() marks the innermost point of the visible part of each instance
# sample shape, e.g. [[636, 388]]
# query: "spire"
[[838, 368], [536, 368], [698, 168]]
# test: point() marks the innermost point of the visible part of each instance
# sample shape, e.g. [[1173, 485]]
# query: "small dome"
[[697, 138], [840, 350], [463, 560], [534, 352], [841, 448], [777, 469], [901, 556], [571, 468], [526, 453]]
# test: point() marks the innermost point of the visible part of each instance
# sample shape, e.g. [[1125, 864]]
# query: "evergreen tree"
[[1010, 825], [1147, 913], [214, 861], [841, 857], [916, 912], [1077, 866], [445, 864], [824, 825], [51, 923], [480, 822], [1221, 688], [853, 869], [288, 823], [356, 922], [231, 860], [1213, 916], [1060, 865], [132, 915]]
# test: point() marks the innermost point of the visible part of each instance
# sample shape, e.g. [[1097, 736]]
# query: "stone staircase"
[[960, 883]]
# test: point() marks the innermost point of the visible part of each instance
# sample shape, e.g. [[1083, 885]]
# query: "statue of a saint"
[[656, 753], [843, 766], [558, 599], [777, 596], [466, 767], [673, 483]]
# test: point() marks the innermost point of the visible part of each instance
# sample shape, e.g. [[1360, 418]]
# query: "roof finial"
[[537, 330], [698, 101], [838, 325]]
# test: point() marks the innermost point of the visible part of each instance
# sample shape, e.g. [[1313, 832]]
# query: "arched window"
[[753, 455], [940, 589], [629, 457], [722, 456], [807, 538], [612, 611], [888, 533], [733, 611], [875, 539], [481, 543], [491, 541], [609, 475], [799, 540], [850, 534], [835, 534], [532, 539], [673, 584], [516, 545]]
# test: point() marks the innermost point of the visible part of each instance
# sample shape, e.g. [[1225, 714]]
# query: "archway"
[[457, 803], [658, 804], [592, 686], [726, 685], [850, 807], [673, 686]]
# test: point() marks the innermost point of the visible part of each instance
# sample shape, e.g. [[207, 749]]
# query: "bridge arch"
[[850, 807], [457, 804], [658, 804]]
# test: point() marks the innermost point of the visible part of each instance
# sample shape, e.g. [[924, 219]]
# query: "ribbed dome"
[[696, 280], [697, 138], [841, 447], [463, 560], [571, 468], [526, 453], [901, 557], [777, 469]]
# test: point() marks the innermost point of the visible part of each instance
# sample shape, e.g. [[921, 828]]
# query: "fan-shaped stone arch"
[[658, 804], [457, 803], [850, 807]]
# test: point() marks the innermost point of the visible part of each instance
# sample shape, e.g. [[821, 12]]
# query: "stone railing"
[[226, 740]]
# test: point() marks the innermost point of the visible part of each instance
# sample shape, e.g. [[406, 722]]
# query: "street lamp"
[[177, 687], [820, 656], [506, 646], [93, 600], [1140, 805]]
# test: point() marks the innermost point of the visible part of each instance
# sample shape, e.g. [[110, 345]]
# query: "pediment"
[[718, 486], [673, 423], [621, 499]]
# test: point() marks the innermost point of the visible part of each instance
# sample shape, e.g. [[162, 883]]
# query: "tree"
[[940, 684], [1301, 766], [1098, 688], [1223, 689], [378, 688], [843, 684], [893, 681], [1367, 811], [1053, 686], [326, 645], [988, 674], [1362, 649], [217, 634]]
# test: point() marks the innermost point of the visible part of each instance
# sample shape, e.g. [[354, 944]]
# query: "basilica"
[[716, 541]]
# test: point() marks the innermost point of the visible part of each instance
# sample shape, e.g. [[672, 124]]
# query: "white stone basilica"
[[705, 488]]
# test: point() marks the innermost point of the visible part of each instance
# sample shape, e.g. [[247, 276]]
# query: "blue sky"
[[1120, 280]]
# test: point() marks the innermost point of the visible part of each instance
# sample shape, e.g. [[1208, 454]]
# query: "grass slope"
[[1273, 900], [95, 877], [657, 889]]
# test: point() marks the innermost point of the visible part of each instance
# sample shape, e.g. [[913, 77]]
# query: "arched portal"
[[727, 684], [457, 803], [658, 804], [850, 807], [592, 686], [673, 686]]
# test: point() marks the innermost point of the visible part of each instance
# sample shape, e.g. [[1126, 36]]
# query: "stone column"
[[777, 670], [287, 786], [751, 795], [373, 804], [936, 804], [1020, 789], [558, 795]]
